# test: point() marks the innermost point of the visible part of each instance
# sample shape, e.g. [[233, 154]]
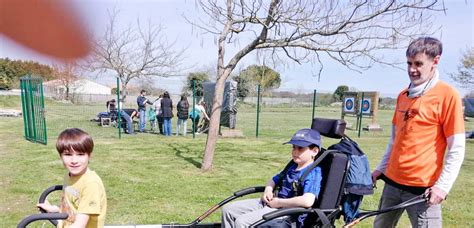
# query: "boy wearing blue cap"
[[243, 213]]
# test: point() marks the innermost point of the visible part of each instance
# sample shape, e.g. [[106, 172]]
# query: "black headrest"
[[329, 127]]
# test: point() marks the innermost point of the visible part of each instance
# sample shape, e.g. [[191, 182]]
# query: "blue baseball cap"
[[305, 137]]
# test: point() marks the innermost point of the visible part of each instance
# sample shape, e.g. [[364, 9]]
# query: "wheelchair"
[[324, 212]]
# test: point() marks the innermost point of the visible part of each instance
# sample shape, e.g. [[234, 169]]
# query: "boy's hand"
[[275, 203], [47, 207], [267, 195]]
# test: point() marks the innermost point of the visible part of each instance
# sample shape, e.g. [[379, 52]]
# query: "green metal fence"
[[32, 100]]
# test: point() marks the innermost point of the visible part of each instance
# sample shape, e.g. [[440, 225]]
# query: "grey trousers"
[[244, 213], [421, 215]]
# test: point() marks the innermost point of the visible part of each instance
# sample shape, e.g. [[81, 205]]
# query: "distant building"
[[80, 86]]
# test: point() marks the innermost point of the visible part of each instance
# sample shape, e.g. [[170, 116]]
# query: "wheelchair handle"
[[250, 190], [46, 192], [43, 216], [43, 197]]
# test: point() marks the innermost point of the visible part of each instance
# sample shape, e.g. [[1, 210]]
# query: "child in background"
[[83, 196]]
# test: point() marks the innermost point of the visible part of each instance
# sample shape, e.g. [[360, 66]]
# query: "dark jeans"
[[129, 121], [421, 215], [160, 120], [195, 123]]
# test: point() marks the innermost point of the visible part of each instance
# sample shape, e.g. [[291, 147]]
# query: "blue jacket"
[[141, 102]]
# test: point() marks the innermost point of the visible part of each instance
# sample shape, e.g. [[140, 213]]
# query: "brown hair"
[[430, 46], [74, 139], [312, 146]]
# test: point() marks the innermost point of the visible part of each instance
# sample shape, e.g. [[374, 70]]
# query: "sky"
[[456, 32]]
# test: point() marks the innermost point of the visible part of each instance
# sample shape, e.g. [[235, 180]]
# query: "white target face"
[[366, 105], [349, 105]]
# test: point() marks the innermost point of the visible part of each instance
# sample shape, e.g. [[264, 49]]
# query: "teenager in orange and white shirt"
[[427, 143]]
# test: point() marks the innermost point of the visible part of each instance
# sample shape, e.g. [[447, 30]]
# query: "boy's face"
[[421, 68], [75, 162], [303, 155]]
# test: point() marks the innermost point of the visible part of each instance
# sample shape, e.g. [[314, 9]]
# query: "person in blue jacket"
[[141, 102]]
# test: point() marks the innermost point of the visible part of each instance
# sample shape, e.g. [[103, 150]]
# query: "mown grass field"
[[151, 179]]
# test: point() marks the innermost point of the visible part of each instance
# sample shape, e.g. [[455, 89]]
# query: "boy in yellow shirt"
[[83, 196]]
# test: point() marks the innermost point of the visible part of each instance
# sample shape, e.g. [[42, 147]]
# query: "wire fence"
[[83, 110], [276, 110]]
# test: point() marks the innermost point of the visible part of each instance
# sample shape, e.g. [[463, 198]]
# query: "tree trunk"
[[123, 92], [213, 132]]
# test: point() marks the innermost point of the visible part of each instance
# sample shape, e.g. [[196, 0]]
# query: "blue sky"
[[456, 32]]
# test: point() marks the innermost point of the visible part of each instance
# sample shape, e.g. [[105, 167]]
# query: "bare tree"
[[67, 74], [349, 32], [151, 89], [134, 52], [465, 75]]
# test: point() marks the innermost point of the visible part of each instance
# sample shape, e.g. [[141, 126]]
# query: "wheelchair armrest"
[[43, 216], [296, 211], [285, 212], [250, 190], [280, 213]]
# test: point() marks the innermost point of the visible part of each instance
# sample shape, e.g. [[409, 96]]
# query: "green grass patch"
[[153, 179]]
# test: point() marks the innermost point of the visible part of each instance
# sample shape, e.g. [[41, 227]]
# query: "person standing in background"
[[159, 113], [167, 112], [183, 110], [141, 102]]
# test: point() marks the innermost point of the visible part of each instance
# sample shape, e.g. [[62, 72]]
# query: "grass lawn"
[[151, 179]]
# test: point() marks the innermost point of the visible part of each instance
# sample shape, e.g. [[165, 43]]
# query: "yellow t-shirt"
[[84, 194], [422, 125]]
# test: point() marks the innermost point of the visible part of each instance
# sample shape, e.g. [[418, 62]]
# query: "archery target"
[[366, 105], [349, 104]]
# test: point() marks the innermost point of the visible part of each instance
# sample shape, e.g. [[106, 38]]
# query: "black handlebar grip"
[[250, 190], [43, 197], [44, 216]]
